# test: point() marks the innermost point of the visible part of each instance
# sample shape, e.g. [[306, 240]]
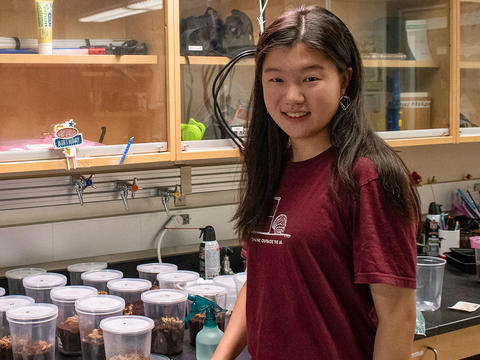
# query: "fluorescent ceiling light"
[[111, 15], [147, 5]]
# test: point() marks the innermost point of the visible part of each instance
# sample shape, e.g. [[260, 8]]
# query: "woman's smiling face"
[[302, 89]]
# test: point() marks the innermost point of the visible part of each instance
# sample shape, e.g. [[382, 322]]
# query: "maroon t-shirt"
[[308, 295]]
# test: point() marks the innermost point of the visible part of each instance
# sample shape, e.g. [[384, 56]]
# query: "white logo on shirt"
[[277, 223]]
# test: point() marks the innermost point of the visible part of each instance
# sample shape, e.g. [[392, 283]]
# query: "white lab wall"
[[44, 243]]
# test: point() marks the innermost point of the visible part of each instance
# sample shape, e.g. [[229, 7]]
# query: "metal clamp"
[[125, 187], [166, 194], [80, 184]]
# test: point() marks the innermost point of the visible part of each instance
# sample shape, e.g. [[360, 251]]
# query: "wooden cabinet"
[[420, 60]]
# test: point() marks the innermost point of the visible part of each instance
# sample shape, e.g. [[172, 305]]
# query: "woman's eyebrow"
[[305, 68]]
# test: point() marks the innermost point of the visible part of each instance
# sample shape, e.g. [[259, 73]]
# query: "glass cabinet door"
[[107, 73], [469, 70]]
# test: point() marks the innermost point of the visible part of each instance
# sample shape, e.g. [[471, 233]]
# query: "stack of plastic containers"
[[130, 290], [240, 279], [177, 280], [150, 271], [127, 337], [39, 286], [91, 311], [217, 294], [32, 328], [228, 283], [99, 279], [68, 332], [166, 307], [15, 279], [6, 303], [76, 270]]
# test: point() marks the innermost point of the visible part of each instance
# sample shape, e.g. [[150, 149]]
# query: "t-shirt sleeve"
[[384, 243]]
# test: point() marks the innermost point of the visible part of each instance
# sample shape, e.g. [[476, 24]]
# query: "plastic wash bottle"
[[209, 337]]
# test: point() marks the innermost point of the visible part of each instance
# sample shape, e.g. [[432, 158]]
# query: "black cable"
[[217, 85], [189, 105]]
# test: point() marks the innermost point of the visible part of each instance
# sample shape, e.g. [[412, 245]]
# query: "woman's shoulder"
[[364, 171]]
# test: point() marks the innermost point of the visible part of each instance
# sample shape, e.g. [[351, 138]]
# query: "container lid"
[[164, 296], [72, 293], [225, 281], [100, 304], [157, 268], [87, 266], [2, 291], [21, 273], [12, 301], [129, 285], [33, 313], [179, 275], [127, 324], [205, 290], [44, 281], [101, 275], [240, 277]]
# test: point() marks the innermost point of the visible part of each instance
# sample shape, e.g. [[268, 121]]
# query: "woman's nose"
[[294, 95]]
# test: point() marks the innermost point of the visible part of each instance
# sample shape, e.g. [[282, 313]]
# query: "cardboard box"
[[415, 110]]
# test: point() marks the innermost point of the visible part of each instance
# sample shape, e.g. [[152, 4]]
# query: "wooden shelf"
[[469, 64], [77, 59], [470, 1], [219, 60]]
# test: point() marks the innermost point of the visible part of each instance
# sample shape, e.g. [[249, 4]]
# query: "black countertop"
[[457, 286]]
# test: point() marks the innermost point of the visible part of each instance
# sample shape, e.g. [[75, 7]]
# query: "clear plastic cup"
[[228, 283], [429, 282], [32, 328], [178, 279], [91, 311], [130, 290], [2, 291], [68, 332], [39, 286], [151, 270], [127, 337], [166, 307], [76, 270], [215, 293], [99, 279], [240, 279], [15, 279]]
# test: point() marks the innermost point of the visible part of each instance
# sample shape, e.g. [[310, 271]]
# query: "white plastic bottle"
[[209, 254]]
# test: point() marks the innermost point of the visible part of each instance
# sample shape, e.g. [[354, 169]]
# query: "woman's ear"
[[346, 76]]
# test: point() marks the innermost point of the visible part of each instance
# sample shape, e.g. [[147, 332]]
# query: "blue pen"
[[126, 150]]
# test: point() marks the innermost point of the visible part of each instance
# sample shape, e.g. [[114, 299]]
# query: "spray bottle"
[[209, 255], [209, 337]]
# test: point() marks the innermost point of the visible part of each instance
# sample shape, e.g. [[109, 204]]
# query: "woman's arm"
[[395, 307], [235, 337]]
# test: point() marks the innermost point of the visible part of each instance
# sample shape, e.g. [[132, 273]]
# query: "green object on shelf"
[[194, 130]]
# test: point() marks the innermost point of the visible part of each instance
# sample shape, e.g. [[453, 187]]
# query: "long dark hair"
[[267, 149]]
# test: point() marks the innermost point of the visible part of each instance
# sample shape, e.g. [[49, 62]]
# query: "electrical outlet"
[[185, 219]]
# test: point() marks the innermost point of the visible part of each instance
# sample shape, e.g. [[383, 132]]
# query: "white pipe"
[[162, 233]]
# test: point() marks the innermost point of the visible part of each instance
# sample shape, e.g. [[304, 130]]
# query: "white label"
[[195, 48]]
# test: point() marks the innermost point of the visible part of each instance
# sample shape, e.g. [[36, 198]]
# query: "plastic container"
[[430, 272], [215, 293], [91, 311], [475, 244], [15, 279], [76, 270], [167, 308], [151, 270], [228, 282], [68, 332], [32, 328], [2, 291], [130, 290], [99, 279], [178, 279], [39, 286], [477, 262], [240, 279], [127, 337]]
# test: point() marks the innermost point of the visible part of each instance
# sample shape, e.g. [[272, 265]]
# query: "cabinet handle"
[[434, 351]]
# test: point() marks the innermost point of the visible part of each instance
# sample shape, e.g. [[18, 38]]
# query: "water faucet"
[[80, 184], [166, 194], [125, 187]]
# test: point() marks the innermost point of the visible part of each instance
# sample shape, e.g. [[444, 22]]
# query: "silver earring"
[[345, 102]]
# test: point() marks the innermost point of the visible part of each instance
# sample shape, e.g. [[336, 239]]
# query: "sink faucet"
[[80, 184], [166, 194], [125, 188]]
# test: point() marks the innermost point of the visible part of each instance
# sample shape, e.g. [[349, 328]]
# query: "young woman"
[[328, 210]]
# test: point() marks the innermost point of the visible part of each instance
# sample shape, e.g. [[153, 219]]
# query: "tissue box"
[[415, 110]]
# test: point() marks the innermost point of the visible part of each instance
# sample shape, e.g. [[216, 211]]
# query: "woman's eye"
[[311, 78], [276, 80]]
